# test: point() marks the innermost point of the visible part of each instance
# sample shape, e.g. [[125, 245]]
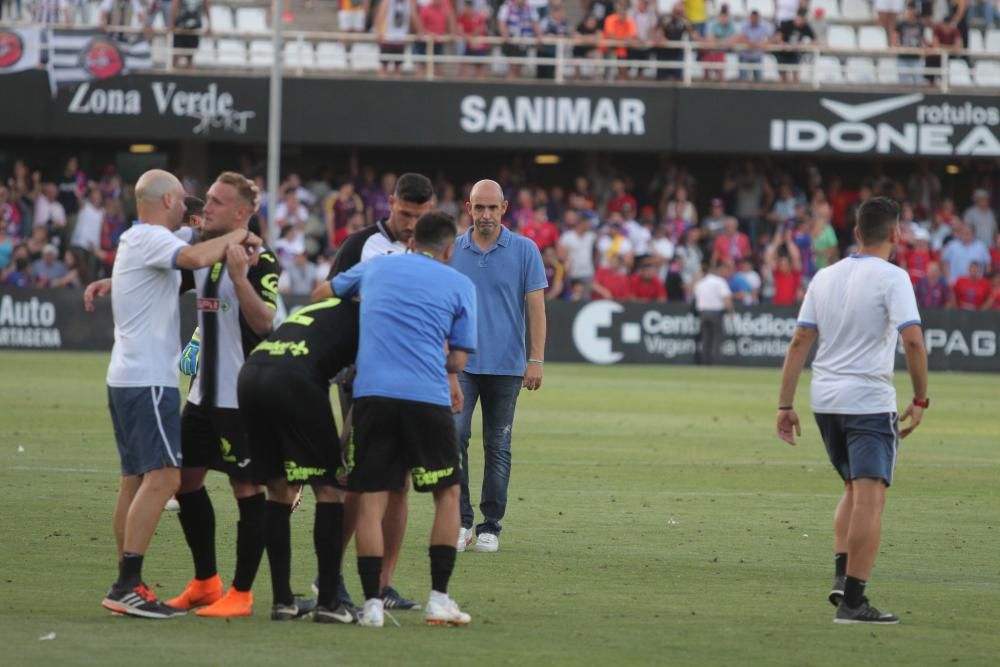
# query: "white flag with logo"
[[20, 49], [86, 55]]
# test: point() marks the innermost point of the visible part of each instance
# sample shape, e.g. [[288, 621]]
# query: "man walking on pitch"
[[508, 273], [143, 396], [857, 308], [411, 306]]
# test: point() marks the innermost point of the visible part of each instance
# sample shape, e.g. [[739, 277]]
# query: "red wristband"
[[922, 402]]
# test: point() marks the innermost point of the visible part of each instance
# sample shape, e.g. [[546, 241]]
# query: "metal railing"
[[684, 66]]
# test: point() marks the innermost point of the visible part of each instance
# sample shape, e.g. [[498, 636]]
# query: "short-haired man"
[[411, 199], [855, 308], [412, 305], [712, 296], [142, 377], [509, 275]]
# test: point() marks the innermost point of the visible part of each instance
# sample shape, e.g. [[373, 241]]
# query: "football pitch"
[[653, 519]]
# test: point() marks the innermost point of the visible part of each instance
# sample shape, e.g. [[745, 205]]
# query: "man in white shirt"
[[143, 396], [855, 308], [576, 249], [711, 297], [49, 213], [87, 231]]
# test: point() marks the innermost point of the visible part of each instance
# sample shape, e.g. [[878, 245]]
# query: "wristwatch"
[[922, 402]]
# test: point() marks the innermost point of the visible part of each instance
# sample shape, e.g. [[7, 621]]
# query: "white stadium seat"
[[732, 71], [232, 52], [857, 10], [251, 19], [888, 70], [861, 70], [770, 63], [958, 72], [365, 57], [261, 53], [221, 18], [841, 37], [872, 37], [993, 41], [976, 43], [737, 8], [205, 55], [830, 7], [827, 70], [987, 73], [331, 55], [299, 54]]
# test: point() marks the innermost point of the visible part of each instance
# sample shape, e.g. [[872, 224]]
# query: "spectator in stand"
[[6, 247], [352, 15], [49, 268], [645, 285], [785, 10], [87, 232], [784, 263], [973, 290], [189, 16], [962, 252], [588, 33], [299, 276], [923, 188], [751, 194], [825, 250], [679, 207], [576, 249], [555, 24], [944, 224], [541, 231], [395, 20], [112, 228], [888, 12], [49, 212], [946, 37], [619, 197], [77, 276], [793, 33], [909, 33], [611, 281], [920, 257], [516, 20], [554, 206], [933, 291], [601, 9], [376, 200], [290, 244], [10, 216], [614, 243], [290, 211], [581, 188], [338, 208], [958, 16], [555, 273], [437, 20], [785, 203], [993, 303], [674, 27], [661, 251], [981, 217], [472, 28], [542, 8], [820, 26], [731, 245], [641, 235], [688, 252], [712, 296], [72, 187], [522, 214], [715, 222], [995, 256], [697, 14], [749, 276], [18, 273], [619, 27], [754, 34], [721, 33], [646, 19]]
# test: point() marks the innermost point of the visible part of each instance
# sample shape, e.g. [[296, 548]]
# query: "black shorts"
[[289, 424], [215, 438], [393, 437]]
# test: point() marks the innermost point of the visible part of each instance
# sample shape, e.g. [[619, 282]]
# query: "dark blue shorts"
[[861, 446], [147, 424]]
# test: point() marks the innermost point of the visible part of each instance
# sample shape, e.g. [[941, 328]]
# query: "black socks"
[[840, 564], [197, 519], [442, 565], [854, 592], [327, 539], [130, 570], [370, 569], [249, 541], [278, 534]]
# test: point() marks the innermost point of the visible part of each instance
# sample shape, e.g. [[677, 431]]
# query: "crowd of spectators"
[[618, 30], [764, 230]]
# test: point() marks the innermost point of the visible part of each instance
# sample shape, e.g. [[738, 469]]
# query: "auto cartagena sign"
[[910, 124]]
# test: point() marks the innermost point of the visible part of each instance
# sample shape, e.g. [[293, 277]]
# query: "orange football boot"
[[234, 603], [198, 593]]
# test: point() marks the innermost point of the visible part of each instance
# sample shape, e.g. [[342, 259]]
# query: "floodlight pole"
[[274, 125]]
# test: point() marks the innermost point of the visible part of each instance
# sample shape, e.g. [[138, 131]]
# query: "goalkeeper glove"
[[191, 354]]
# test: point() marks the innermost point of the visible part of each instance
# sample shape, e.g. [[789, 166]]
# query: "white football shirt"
[[144, 290], [858, 306]]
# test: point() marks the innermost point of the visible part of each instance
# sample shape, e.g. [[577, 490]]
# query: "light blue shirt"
[[958, 256], [410, 305], [503, 275]]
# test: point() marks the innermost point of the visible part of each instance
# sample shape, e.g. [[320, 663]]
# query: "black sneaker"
[[391, 599], [865, 613], [342, 593], [137, 601], [289, 612], [837, 591], [344, 613]]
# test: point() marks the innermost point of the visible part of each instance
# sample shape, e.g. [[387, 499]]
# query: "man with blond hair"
[[143, 396]]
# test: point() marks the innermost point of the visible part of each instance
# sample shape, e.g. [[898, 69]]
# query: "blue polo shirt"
[[503, 275], [410, 305]]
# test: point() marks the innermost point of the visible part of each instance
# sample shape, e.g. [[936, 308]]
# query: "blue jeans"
[[498, 394]]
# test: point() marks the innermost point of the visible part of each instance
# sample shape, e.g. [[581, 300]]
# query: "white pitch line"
[[92, 471]]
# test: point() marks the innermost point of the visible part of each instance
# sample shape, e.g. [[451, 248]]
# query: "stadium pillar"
[[274, 125]]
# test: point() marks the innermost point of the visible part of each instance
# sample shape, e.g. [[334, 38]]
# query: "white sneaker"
[[172, 505], [465, 536], [444, 611], [373, 614], [487, 543]]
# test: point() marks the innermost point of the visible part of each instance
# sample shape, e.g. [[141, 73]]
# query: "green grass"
[[653, 519]]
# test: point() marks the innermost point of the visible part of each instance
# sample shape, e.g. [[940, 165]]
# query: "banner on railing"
[[20, 49], [78, 56], [598, 332]]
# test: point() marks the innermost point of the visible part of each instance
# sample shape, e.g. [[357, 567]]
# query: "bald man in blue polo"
[[510, 282]]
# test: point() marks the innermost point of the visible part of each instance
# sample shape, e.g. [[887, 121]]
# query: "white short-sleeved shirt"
[[858, 306], [580, 252], [144, 290], [710, 293]]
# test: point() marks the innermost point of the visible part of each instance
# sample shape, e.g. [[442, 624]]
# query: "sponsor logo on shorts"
[[424, 477]]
